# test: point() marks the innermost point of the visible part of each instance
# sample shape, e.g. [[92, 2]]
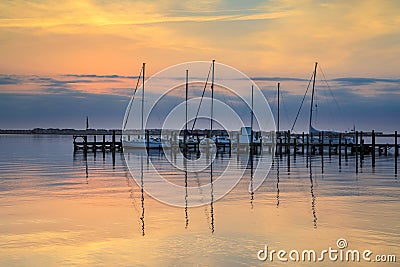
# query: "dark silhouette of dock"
[[289, 143], [87, 142]]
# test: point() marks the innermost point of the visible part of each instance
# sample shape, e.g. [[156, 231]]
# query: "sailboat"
[[210, 143], [329, 137], [141, 141], [187, 142]]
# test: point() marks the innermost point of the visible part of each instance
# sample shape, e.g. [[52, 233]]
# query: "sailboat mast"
[[312, 95], [144, 64], [251, 119], [278, 105], [252, 112], [186, 106], [212, 98]]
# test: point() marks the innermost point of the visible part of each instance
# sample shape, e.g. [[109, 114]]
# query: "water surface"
[[58, 208]]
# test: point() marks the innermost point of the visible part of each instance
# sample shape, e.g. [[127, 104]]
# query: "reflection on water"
[[186, 197], [86, 169], [142, 192], [314, 213], [212, 198], [277, 183], [251, 159], [59, 208]]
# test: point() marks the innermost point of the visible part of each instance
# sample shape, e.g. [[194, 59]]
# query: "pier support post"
[[294, 146], [356, 151], [113, 158], [237, 143], [340, 149], [75, 145], [113, 141], [147, 139], [322, 144], [396, 153], [361, 146], [373, 149], [185, 145], [330, 148], [396, 147], [355, 147], [85, 144], [312, 145], [288, 162]]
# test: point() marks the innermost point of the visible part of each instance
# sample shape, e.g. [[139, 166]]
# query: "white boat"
[[143, 143], [207, 143], [223, 140], [214, 142], [329, 137]]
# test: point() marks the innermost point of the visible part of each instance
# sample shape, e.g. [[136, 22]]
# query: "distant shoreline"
[[55, 131]]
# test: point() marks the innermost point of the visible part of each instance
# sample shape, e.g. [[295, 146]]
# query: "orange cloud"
[[280, 38]]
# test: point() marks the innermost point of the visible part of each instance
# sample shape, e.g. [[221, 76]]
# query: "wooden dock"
[[359, 148], [365, 143], [94, 142], [285, 143]]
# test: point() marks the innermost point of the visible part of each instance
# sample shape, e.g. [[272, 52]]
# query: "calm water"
[[61, 209]]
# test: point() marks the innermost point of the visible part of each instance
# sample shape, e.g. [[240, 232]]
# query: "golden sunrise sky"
[[64, 60], [260, 38]]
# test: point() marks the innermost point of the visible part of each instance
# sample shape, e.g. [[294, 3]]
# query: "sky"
[[61, 62]]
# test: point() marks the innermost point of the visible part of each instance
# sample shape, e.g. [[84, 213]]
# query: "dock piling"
[[321, 150], [396, 153], [340, 149], [361, 146], [373, 149], [356, 152]]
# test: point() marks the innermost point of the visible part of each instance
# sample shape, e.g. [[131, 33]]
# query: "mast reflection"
[[212, 198], [142, 193], [186, 194], [277, 183], [251, 180], [313, 209]]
